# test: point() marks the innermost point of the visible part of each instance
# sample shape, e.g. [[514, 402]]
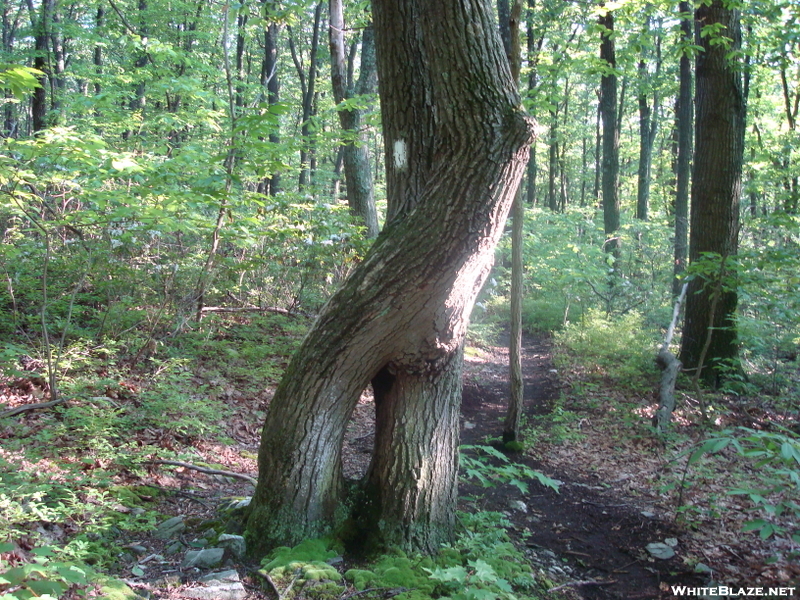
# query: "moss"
[[309, 551], [114, 589], [131, 496]]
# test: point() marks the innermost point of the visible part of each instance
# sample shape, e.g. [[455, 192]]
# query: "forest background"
[[175, 207]]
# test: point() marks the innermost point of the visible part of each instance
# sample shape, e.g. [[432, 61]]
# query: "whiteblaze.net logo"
[[732, 592]]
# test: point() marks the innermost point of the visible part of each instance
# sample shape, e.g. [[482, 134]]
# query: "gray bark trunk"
[[683, 167], [455, 152], [357, 172]]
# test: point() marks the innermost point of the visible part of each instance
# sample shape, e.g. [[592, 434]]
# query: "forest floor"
[[590, 539]]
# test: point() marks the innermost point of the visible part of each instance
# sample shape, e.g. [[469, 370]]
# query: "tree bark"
[[357, 171], [648, 124], [608, 112], [683, 168], [509, 32], [271, 83], [716, 190], [308, 91], [456, 142]]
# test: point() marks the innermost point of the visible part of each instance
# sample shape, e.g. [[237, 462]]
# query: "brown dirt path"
[[588, 532]]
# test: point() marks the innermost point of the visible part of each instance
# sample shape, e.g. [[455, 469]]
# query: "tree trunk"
[[308, 90], [270, 82], [648, 123], [509, 32], [552, 163], [454, 159], [608, 111], [683, 168], [716, 190], [40, 25], [357, 171]]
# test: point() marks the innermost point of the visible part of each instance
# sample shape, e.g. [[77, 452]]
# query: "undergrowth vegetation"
[[736, 468], [107, 323], [483, 564]]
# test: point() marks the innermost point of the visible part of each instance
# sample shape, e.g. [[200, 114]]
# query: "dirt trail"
[[587, 532]]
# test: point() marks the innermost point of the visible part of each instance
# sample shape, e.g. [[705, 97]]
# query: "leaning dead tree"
[[670, 367]]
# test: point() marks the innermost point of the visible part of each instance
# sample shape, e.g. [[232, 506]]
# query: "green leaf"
[[72, 574], [458, 574], [754, 525], [483, 571]]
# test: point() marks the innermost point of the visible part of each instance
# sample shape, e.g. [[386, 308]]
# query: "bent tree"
[[456, 145]]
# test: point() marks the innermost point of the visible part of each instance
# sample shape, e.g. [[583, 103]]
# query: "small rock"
[[671, 542], [335, 560], [234, 543], [174, 548], [647, 514], [518, 505], [223, 591], [229, 576], [244, 503], [203, 559], [659, 550], [170, 528], [702, 568], [136, 549]]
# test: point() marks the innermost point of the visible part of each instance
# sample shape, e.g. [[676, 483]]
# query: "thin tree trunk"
[[683, 169], [608, 110], [308, 90], [358, 174], [648, 123], [509, 32], [270, 82]]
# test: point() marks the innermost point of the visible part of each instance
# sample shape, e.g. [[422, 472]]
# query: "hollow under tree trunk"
[[456, 142]]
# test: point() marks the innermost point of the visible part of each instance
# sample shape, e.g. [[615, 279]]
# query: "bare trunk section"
[[648, 124], [608, 111], [456, 151], [270, 82], [509, 31], [683, 168], [716, 191], [355, 154], [308, 83]]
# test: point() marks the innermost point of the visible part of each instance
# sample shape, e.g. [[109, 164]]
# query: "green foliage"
[[477, 465], [43, 577], [483, 563], [776, 456], [611, 349]]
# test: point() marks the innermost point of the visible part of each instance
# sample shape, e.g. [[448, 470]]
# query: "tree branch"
[[205, 470]]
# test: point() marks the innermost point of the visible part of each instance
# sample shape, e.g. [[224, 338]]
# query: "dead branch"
[[206, 470], [253, 309], [27, 407], [670, 367]]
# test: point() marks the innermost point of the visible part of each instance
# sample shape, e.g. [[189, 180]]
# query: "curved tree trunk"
[[716, 190], [456, 143]]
